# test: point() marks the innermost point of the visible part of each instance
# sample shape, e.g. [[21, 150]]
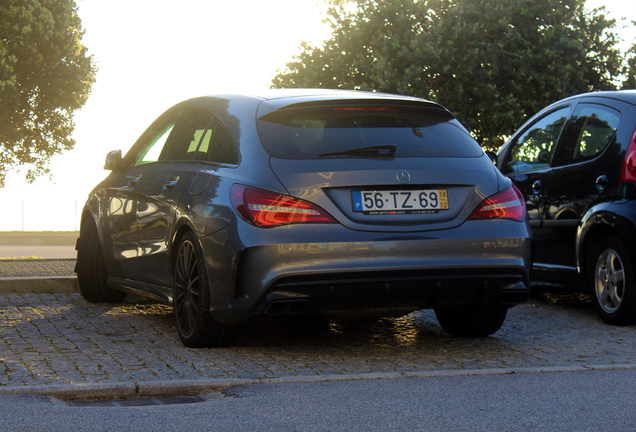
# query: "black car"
[[307, 202], [575, 163]]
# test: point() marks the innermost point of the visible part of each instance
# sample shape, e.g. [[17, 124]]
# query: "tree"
[[492, 62], [45, 75], [630, 82], [630, 68]]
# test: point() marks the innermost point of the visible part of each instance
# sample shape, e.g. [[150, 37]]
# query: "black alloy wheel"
[[196, 327]]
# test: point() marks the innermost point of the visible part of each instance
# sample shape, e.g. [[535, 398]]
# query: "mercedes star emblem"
[[403, 176]]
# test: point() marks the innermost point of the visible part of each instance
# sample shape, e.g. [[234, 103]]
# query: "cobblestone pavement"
[[59, 338]]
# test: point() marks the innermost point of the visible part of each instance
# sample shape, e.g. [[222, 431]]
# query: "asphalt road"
[[600, 400]]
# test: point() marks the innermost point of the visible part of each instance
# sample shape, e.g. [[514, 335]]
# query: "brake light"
[[366, 108], [265, 208], [508, 204], [628, 171]]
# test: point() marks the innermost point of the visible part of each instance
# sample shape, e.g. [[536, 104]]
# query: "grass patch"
[[32, 257]]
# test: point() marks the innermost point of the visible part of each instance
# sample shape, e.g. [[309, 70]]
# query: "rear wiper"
[[379, 151]]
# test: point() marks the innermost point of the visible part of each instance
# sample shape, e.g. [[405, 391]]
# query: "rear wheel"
[[91, 272], [195, 325], [471, 321], [613, 282]]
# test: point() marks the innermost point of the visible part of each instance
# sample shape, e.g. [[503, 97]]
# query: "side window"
[[191, 138], [535, 146], [155, 141], [591, 130], [200, 144], [223, 149]]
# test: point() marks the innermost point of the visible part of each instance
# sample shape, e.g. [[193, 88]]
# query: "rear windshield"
[[361, 132]]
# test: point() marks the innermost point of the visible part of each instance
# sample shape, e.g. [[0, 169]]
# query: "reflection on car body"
[[307, 201]]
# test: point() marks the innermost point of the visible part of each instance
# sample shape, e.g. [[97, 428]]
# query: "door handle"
[[171, 183], [132, 181], [537, 187]]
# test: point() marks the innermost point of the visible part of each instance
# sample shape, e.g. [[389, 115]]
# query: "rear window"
[[343, 132]]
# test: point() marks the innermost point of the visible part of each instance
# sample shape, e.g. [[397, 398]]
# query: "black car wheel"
[[613, 282], [195, 325], [91, 272], [471, 321]]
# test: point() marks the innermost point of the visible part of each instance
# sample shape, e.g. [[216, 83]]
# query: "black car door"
[[527, 159], [581, 173]]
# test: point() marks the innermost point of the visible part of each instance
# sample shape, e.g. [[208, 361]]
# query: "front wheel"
[[91, 272], [471, 321], [613, 282], [196, 327]]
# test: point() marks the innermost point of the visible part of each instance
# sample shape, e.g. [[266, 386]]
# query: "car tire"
[[471, 321], [613, 282], [196, 326], [91, 272]]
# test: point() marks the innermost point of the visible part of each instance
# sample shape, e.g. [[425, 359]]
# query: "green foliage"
[[492, 62], [45, 75], [630, 73]]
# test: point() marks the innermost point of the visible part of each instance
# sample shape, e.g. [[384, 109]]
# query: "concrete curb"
[[39, 284], [38, 238], [167, 388]]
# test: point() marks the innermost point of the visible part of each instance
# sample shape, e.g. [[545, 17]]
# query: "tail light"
[[628, 171], [508, 204], [265, 208]]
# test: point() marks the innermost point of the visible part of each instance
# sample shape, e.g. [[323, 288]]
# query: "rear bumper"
[[374, 271]]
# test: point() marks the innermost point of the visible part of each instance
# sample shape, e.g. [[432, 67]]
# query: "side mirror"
[[114, 161], [493, 157]]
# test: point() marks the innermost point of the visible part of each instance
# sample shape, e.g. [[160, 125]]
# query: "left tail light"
[[508, 204], [265, 208]]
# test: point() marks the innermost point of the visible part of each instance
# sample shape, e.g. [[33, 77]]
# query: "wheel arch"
[[596, 227], [91, 212], [86, 215], [182, 226]]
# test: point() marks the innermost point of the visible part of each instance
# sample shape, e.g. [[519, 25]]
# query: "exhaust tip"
[[513, 297], [287, 307]]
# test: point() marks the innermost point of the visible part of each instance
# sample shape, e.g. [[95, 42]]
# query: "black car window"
[[590, 131], [223, 150], [359, 131], [534, 147], [191, 138], [154, 140]]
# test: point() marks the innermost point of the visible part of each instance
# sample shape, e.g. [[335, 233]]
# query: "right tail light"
[[508, 204]]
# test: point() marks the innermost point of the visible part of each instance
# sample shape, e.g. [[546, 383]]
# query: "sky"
[[152, 54]]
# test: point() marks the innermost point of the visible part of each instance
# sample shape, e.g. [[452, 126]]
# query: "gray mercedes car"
[[307, 202]]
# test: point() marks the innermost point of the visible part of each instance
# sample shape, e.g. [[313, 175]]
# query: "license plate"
[[400, 201]]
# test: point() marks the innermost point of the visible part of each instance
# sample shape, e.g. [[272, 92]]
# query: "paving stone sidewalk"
[[38, 275], [58, 338]]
